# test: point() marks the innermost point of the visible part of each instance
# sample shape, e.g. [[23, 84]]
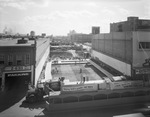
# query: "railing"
[[88, 97]]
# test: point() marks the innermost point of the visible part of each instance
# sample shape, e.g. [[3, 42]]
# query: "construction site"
[[74, 81]]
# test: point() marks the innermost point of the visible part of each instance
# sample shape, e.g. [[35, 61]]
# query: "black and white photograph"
[[74, 58]]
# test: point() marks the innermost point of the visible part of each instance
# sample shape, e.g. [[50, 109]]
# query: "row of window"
[[144, 45], [15, 59]]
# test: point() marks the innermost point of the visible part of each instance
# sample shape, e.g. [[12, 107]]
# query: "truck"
[[36, 94]]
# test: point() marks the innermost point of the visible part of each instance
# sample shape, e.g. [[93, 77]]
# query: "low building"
[[81, 38], [22, 59], [43, 35]]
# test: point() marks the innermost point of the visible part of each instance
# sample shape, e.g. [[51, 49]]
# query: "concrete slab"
[[72, 72], [68, 73]]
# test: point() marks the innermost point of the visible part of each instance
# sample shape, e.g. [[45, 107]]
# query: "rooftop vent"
[[22, 41]]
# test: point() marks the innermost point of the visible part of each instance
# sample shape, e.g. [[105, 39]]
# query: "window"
[[1, 59], [10, 60], [120, 27], [19, 59], [27, 59], [144, 45]]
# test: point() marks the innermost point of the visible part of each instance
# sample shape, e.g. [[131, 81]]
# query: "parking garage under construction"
[[85, 84]]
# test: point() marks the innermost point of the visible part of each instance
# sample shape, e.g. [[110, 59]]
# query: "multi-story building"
[[95, 30], [127, 52], [43, 35], [132, 24], [81, 38], [22, 59], [32, 33]]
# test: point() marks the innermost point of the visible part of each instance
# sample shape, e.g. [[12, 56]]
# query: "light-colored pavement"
[[72, 72], [20, 110], [12, 102], [68, 73]]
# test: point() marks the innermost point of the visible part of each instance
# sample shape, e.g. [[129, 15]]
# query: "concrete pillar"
[[32, 75]]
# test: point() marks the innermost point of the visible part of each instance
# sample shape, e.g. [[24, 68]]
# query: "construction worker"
[[80, 70], [81, 78]]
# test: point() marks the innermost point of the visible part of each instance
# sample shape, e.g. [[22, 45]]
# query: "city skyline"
[[58, 17]]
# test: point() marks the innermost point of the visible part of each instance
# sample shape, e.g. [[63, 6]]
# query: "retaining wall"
[[97, 99]]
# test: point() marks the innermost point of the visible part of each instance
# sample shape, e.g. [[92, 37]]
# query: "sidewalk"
[[23, 110]]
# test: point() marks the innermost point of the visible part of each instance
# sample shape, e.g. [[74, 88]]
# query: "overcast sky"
[[58, 17]]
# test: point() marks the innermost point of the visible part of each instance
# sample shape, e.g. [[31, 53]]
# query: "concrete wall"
[[48, 75], [139, 56], [116, 64], [116, 44], [122, 46], [41, 47], [97, 103], [41, 63], [108, 97]]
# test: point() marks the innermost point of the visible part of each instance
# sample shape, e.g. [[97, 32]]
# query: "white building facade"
[[126, 52]]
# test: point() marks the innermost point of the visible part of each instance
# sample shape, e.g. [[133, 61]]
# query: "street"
[[12, 104]]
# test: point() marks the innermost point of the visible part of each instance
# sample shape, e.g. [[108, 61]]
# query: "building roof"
[[13, 42]]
